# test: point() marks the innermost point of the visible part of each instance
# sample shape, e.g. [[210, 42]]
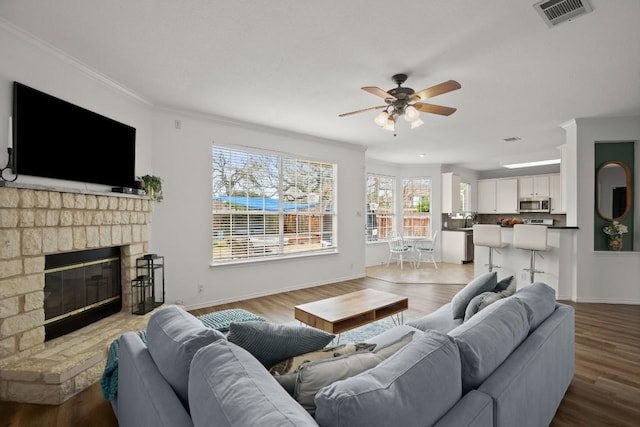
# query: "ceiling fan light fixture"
[[381, 119], [416, 123], [390, 125], [411, 114]]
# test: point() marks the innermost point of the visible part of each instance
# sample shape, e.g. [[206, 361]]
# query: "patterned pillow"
[[286, 371], [271, 343], [483, 283], [291, 365], [506, 287]]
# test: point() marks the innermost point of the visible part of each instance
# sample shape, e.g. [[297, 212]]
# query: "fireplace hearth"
[[80, 288]]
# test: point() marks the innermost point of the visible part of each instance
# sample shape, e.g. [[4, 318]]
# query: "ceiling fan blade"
[[374, 90], [436, 90], [434, 109], [363, 110]]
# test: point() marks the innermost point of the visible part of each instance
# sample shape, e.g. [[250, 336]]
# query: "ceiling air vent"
[[554, 12]]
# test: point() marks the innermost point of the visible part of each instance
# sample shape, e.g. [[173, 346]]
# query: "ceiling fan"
[[405, 101]]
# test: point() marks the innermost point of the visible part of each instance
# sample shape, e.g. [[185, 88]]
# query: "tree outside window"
[[416, 206], [266, 205], [380, 207]]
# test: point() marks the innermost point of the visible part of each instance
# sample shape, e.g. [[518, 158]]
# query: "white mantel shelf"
[[39, 187]]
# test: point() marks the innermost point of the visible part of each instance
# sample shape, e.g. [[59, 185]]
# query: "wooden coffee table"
[[345, 312]]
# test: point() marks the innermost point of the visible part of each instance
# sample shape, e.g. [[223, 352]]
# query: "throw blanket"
[[109, 379], [219, 320]]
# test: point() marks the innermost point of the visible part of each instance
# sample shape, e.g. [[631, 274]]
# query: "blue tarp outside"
[[263, 204]]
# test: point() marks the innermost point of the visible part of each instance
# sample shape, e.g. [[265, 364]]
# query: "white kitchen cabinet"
[[507, 196], [457, 246], [558, 204], [498, 196], [487, 196], [450, 192], [533, 186]]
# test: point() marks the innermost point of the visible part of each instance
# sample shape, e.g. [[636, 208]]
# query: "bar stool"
[[532, 238], [489, 235]]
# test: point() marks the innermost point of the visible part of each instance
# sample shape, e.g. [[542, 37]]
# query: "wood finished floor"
[[605, 390]]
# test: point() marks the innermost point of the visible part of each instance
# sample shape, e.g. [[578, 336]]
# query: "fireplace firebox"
[[80, 288]]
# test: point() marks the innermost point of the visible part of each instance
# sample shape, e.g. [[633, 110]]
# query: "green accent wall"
[[606, 152]]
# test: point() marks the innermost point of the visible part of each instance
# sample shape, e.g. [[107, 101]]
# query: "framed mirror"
[[613, 190]]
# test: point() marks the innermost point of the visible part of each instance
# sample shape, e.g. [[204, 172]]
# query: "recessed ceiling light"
[[512, 139], [530, 164], [421, 155]]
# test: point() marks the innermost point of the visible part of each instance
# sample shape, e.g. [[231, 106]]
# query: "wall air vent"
[[554, 12]]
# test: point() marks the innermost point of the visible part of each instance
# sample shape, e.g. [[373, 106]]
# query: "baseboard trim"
[[271, 292]]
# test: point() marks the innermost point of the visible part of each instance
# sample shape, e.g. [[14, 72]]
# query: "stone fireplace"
[[36, 222]]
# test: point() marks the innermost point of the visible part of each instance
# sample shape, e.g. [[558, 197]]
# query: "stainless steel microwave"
[[535, 205]]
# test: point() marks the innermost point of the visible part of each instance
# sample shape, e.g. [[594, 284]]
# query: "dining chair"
[[426, 247], [398, 249]]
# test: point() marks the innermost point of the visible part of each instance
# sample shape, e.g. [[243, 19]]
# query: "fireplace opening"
[[80, 288]]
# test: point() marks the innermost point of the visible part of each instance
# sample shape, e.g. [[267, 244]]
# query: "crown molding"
[[68, 59]]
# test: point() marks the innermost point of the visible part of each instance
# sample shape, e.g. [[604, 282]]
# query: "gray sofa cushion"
[[489, 337], [541, 299], [313, 376], [229, 387], [483, 283], [440, 320], [271, 343], [173, 338], [414, 387]]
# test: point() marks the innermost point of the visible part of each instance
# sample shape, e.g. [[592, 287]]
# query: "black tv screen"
[[53, 138]]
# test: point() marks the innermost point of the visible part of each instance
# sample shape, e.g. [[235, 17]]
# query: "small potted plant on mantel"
[[152, 185]]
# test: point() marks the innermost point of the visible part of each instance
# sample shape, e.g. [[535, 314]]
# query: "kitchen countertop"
[[550, 227]]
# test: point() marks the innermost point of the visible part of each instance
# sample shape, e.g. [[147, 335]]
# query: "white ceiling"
[[297, 64]]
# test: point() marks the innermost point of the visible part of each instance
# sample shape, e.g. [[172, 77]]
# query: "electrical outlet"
[[200, 288]]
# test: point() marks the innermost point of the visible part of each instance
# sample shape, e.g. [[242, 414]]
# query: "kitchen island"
[[557, 264]]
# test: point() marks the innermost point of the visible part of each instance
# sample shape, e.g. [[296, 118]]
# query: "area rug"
[[365, 332]]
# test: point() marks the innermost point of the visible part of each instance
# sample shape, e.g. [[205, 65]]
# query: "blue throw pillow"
[[271, 343], [483, 283]]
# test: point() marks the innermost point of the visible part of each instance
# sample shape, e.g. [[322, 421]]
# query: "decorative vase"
[[615, 242]]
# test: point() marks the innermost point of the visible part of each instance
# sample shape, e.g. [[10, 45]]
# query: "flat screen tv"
[[53, 138]]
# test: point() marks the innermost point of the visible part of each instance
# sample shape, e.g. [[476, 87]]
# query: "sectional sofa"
[[509, 363]]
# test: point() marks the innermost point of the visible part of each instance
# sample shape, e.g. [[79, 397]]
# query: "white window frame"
[[416, 192], [381, 212], [292, 214], [465, 196]]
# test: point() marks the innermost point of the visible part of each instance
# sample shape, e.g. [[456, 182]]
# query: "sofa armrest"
[[529, 386], [474, 409], [144, 397]]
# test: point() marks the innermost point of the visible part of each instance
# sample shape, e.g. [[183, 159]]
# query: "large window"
[[416, 206], [380, 207], [267, 205]]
